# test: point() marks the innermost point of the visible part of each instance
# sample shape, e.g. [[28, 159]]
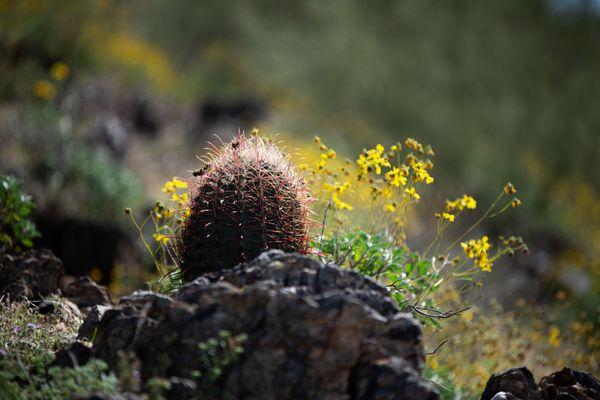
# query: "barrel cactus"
[[246, 199]]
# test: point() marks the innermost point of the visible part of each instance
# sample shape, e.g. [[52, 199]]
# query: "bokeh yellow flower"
[[412, 193], [477, 250], [160, 238], [44, 90], [59, 71]]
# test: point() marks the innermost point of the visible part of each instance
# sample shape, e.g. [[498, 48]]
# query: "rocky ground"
[[283, 326]]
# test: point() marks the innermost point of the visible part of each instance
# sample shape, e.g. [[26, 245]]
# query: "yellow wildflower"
[[168, 187], [553, 336], [179, 184], [160, 238], [372, 160], [446, 216], [317, 139], [461, 203], [168, 213], [338, 189], [412, 193], [59, 71], [515, 203], [329, 154], [421, 174], [395, 177], [390, 207], [44, 90], [477, 250], [339, 204], [468, 202]]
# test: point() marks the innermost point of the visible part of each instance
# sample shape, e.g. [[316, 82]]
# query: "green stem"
[[484, 216], [146, 245]]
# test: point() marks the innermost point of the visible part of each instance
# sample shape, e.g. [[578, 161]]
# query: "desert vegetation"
[[155, 155]]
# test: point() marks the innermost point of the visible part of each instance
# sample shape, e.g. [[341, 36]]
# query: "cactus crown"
[[246, 199]]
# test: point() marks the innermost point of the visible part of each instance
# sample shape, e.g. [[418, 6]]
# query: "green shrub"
[[16, 229], [408, 276], [54, 383]]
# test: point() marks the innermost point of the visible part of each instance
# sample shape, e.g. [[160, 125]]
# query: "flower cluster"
[[46, 89], [478, 251], [167, 219], [372, 160], [337, 189], [464, 202]]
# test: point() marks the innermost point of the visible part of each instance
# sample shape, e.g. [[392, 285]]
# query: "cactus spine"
[[247, 198]]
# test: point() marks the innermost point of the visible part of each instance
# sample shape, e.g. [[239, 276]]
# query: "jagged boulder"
[[33, 274], [84, 292], [314, 331], [519, 383]]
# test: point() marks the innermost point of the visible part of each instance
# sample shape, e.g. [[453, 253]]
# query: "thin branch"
[[436, 314], [437, 348]]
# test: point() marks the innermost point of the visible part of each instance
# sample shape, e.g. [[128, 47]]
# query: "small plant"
[[26, 334], [246, 199], [217, 354], [380, 188], [410, 278], [528, 334], [16, 229], [54, 383], [27, 342]]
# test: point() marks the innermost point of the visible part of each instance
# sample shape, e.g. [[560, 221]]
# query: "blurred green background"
[[101, 101]]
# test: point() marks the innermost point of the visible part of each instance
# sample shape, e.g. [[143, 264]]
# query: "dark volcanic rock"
[[74, 355], [86, 293], [570, 384], [87, 330], [519, 383], [516, 381], [32, 274], [314, 331]]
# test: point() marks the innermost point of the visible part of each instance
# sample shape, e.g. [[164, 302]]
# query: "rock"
[[87, 330], [181, 389], [504, 396], [84, 292], [54, 304], [279, 270], [388, 379], [45, 307], [313, 331], [568, 383], [519, 383], [33, 274], [74, 355]]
